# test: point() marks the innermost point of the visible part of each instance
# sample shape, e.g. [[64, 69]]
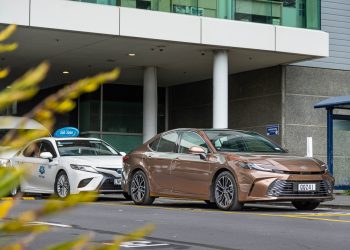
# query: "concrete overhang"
[[88, 38]]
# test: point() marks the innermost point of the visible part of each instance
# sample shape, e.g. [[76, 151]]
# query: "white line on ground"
[[48, 224], [140, 243]]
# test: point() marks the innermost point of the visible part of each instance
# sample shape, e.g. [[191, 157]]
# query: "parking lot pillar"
[[150, 101], [220, 89]]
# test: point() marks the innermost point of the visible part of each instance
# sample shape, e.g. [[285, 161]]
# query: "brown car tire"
[[305, 205], [139, 189], [226, 192]]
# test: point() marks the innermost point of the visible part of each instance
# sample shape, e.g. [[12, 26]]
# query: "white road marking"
[[140, 243], [48, 224]]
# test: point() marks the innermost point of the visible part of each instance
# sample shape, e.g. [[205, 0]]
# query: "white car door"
[[40, 173], [47, 167], [28, 161]]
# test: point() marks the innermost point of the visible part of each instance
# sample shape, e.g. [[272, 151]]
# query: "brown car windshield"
[[239, 141]]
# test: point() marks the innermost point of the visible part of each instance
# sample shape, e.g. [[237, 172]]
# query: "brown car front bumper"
[[284, 187]]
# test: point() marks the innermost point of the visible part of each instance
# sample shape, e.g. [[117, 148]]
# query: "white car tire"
[[62, 186], [15, 191]]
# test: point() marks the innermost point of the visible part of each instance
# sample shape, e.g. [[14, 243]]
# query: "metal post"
[[330, 139]]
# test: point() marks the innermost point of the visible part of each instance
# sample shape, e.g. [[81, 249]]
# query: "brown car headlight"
[[254, 166], [325, 168]]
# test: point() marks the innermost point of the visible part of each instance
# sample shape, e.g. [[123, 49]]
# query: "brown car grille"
[[281, 188]]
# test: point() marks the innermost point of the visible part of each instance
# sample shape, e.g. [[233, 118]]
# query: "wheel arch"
[[132, 172], [212, 184], [61, 170]]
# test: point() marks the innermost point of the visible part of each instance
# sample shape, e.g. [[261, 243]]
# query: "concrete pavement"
[[195, 226], [341, 201]]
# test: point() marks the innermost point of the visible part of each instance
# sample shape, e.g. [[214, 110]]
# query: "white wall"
[[14, 11], [76, 16], [111, 20]]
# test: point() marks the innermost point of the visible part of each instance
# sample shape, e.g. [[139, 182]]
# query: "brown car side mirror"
[[198, 151]]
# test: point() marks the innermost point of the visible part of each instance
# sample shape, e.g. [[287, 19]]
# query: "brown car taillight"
[[125, 158]]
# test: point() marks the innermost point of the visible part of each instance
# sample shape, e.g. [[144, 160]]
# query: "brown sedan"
[[226, 167]]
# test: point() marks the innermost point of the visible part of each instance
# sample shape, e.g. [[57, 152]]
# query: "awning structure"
[[339, 102]]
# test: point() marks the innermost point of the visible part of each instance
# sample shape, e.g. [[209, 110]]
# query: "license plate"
[[306, 187], [117, 181]]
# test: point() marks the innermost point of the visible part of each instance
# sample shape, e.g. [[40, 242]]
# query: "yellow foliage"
[[23, 89], [140, 233], [4, 73], [8, 47], [5, 207], [14, 246], [75, 244], [7, 32]]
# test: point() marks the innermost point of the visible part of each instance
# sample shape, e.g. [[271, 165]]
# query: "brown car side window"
[[168, 143], [154, 145], [191, 139]]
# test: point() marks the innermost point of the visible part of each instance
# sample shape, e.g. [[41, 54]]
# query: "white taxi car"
[[64, 166]]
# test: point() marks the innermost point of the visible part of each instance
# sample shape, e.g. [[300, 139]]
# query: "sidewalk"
[[341, 201]]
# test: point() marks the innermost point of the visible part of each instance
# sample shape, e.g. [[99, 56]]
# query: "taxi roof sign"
[[66, 132]]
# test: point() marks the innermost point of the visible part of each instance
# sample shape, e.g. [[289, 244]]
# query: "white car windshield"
[[84, 148]]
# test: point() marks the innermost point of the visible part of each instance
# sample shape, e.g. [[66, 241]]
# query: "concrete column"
[[220, 89], [150, 103]]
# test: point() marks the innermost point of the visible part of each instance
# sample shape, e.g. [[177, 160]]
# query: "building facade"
[[243, 64]]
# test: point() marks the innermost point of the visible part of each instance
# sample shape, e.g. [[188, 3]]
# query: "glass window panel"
[[154, 145], [46, 146], [293, 13], [123, 143], [106, 2], [190, 139], [89, 111], [32, 150], [168, 143], [122, 108], [90, 135], [341, 152]]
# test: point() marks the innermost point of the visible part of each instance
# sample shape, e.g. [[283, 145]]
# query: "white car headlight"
[[83, 168], [5, 163], [254, 166]]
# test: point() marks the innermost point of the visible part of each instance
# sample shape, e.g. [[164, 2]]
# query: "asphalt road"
[[193, 225]]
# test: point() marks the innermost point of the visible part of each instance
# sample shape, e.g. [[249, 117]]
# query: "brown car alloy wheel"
[[226, 194], [139, 189]]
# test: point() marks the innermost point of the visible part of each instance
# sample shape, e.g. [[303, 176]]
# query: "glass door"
[[341, 150]]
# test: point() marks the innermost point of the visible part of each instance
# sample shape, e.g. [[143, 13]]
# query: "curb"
[[14, 198], [332, 206]]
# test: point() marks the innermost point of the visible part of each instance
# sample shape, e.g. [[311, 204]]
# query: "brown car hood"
[[284, 162]]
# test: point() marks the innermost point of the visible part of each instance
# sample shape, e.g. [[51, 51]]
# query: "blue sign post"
[[272, 130]]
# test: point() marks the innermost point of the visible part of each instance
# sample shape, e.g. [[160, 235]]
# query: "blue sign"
[[272, 129], [66, 132]]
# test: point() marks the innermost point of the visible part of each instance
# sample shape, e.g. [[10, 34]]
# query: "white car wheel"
[[62, 187], [14, 191]]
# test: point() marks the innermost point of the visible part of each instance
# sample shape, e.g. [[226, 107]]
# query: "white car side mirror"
[[123, 153], [46, 155]]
